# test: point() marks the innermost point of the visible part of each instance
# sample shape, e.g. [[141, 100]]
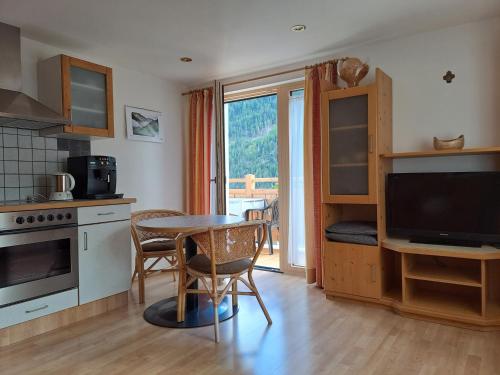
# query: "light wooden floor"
[[310, 335], [267, 260]]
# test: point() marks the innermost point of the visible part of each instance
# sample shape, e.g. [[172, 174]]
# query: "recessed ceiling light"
[[298, 28], [186, 59]]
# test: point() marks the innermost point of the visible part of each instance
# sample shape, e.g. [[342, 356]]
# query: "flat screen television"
[[458, 208]]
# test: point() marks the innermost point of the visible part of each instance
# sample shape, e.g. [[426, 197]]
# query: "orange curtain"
[[199, 131], [318, 78]]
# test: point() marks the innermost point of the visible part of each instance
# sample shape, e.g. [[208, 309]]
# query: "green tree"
[[253, 138]]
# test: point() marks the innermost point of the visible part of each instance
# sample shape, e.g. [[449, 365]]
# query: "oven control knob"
[[40, 218], [50, 217], [20, 220], [68, 216], [60, 216], [30, 219]]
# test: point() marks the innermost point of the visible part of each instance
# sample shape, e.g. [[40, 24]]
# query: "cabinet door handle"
[[373, 273], [36, 309], [370, 143], [105, 213], [85, 241]]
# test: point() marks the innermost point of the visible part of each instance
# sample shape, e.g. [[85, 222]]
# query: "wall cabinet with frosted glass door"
[[349, 145], [81, 91]]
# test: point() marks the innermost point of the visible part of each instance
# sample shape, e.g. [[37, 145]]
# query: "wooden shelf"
[[330, 245], [405, 246], [452, 304], [349, 165], [444, 275], [393, 294], [89, 110], [434, 153], [349, 127], [18, 206], [88, 87]]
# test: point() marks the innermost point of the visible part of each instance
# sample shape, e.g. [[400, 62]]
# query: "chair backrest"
[[231, 242], [275, 212], [151, 214]]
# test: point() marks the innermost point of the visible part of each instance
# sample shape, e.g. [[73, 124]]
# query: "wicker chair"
[[227, 252], [273, 222], [152, 246]]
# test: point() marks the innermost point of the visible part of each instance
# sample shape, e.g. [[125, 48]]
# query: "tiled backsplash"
[[27, 161]]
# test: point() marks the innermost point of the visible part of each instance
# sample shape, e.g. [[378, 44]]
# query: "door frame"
[[283, 93]]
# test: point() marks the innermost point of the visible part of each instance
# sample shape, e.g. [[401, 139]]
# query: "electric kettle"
[[63, 191]]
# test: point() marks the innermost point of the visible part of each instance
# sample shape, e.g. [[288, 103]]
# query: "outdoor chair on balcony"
[[272, 218]]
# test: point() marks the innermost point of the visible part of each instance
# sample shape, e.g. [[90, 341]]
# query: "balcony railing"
[[250, 190], [242, 198]]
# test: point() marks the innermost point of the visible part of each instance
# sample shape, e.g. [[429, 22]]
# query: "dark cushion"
[[353, 227], [163, 245], [352, 238], [201, 263]]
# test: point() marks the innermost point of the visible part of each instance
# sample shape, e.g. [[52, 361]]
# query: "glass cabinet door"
[[348, 126], [88, 98], [348, 138]]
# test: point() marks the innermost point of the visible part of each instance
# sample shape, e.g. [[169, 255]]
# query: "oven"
[[38, 254]]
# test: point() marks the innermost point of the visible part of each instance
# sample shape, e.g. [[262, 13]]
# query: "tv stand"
[[454, 284], [446, 241]]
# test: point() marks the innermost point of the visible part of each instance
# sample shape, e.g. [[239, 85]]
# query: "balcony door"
[[261, 127]]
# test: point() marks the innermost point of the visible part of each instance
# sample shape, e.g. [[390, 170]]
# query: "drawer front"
[[24, 311], [103, 214]]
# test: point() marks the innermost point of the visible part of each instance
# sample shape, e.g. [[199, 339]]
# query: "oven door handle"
[[37, 229], [35, 235]]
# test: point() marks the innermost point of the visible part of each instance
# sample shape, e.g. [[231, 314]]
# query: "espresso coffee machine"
[[95, 177]]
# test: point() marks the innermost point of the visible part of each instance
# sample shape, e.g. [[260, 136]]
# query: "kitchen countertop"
[[15, 206]]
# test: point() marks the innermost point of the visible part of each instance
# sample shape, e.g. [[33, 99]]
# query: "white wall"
[[150, 172], [424, 105]]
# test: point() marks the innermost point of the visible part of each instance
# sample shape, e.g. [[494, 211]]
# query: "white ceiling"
[[227, 37]]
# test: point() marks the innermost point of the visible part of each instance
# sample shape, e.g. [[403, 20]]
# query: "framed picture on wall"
[[144, 124]]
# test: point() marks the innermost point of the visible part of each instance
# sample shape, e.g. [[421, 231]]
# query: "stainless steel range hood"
[[17, 109]]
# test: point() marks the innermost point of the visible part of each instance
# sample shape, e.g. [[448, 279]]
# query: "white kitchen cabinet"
[[104, 259]]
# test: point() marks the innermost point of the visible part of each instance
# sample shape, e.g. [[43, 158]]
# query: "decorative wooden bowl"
[[447, 144]]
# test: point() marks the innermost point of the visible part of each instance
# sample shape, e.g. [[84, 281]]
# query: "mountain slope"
[[253, 137]]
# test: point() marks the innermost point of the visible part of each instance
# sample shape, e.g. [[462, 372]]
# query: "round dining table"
[[199, 308]]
